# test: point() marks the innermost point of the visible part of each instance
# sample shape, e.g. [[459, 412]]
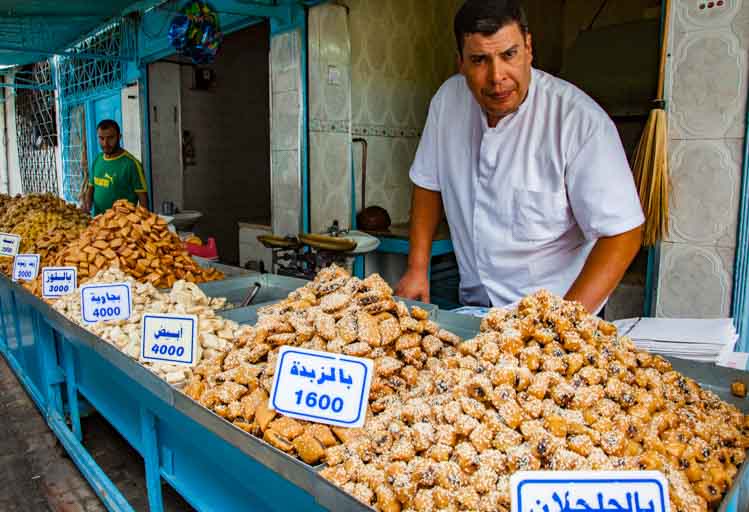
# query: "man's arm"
[[604, 268], [426, 214], [142, 199], [88, 200]]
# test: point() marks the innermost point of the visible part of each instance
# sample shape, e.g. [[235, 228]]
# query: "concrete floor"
[[38, 475]]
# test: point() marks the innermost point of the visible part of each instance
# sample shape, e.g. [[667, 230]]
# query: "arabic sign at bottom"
[[169, 339], [321, 387], [589, 491]]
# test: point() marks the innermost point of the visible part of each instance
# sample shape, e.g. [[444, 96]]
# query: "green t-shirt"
[[116, 178]]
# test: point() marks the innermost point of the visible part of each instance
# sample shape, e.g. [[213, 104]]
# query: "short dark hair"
[[487, 17], [108, 123]]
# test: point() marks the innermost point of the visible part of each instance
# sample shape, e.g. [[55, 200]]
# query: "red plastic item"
[[208, 251]]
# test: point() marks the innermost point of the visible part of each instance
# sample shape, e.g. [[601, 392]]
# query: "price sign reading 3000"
[[58, 281], [321, 387]]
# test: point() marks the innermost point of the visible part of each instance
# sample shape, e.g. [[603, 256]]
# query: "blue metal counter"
[[212, 464]]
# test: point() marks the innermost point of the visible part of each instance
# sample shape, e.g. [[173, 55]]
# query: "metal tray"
[[228, 270]]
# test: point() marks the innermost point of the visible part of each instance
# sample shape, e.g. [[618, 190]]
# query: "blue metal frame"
[[210, 473], [741, 268], [654, 253], [400, 246]]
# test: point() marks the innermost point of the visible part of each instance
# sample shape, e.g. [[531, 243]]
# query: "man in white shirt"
[[529, 171]]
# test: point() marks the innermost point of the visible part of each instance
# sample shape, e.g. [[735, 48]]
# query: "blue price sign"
[[589, 491], [321, 387], [58, 281], [169, 339], [25, 267], [101, 302], [9, 244]]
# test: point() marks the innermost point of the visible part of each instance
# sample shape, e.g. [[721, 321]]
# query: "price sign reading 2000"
[[321, 387]]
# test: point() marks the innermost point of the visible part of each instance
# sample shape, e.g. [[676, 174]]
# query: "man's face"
[[498, 70], [109, 140]]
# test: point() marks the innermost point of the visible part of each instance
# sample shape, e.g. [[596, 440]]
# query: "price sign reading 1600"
[[321, 387]]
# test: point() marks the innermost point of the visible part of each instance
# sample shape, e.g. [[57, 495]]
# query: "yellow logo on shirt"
[[105, 182]]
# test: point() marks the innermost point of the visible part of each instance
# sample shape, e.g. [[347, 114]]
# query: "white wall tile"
[[330, 180], [330, 111], [690, 15], [286, 191], [708, 85], [285, 62], [285, 123], [285, 168], [705, 188], [694, 282]]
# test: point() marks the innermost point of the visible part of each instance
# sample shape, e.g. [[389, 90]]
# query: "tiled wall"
[[286, 100], [329, 116], [708, 88], [401, 51]]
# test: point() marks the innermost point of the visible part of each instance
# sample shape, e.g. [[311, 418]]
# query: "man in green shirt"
[[115, 174]]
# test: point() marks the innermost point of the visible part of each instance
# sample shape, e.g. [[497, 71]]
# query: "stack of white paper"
[[697, 339]]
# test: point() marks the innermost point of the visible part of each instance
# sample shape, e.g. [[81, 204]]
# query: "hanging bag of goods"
[[196, 33]]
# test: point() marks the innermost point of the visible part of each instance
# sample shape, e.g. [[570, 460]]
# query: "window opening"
[[36, 126]]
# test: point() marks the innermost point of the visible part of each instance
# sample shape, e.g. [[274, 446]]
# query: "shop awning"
[[32, 30]]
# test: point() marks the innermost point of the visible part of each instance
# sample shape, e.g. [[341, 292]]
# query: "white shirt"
[[527, 200]]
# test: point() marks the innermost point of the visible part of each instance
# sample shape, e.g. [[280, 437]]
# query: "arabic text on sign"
[[321, 387], [601, 504], [169, 338], [589, 491], [25, 267], [9, 244], [58, 281], [106, 302]]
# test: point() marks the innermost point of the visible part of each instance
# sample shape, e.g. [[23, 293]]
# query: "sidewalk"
[[38, 475]]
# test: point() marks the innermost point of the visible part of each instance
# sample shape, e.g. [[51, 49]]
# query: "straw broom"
[[651, 157]]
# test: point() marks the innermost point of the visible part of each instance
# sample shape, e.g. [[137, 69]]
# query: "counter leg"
[[359, 267], [19, 333], [52, 376], [3, 327], [151, 457], [72, 388]]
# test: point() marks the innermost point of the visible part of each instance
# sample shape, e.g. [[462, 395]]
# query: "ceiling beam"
[[64, 53]]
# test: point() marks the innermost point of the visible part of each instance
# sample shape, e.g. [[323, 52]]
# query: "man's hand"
[[414, 285], [604, 268], [426, 213], [88, 199], [142, 199]]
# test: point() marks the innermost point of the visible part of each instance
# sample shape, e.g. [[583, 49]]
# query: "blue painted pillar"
[[149, 432]]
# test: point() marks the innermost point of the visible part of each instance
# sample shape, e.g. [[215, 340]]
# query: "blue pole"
[[741, 285]]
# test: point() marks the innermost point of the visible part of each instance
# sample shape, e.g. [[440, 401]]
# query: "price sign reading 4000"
[[169, 339], [321, 387], [101, 302]]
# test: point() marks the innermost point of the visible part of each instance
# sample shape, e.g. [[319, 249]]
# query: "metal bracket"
[[70, 53], [279, 13]]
